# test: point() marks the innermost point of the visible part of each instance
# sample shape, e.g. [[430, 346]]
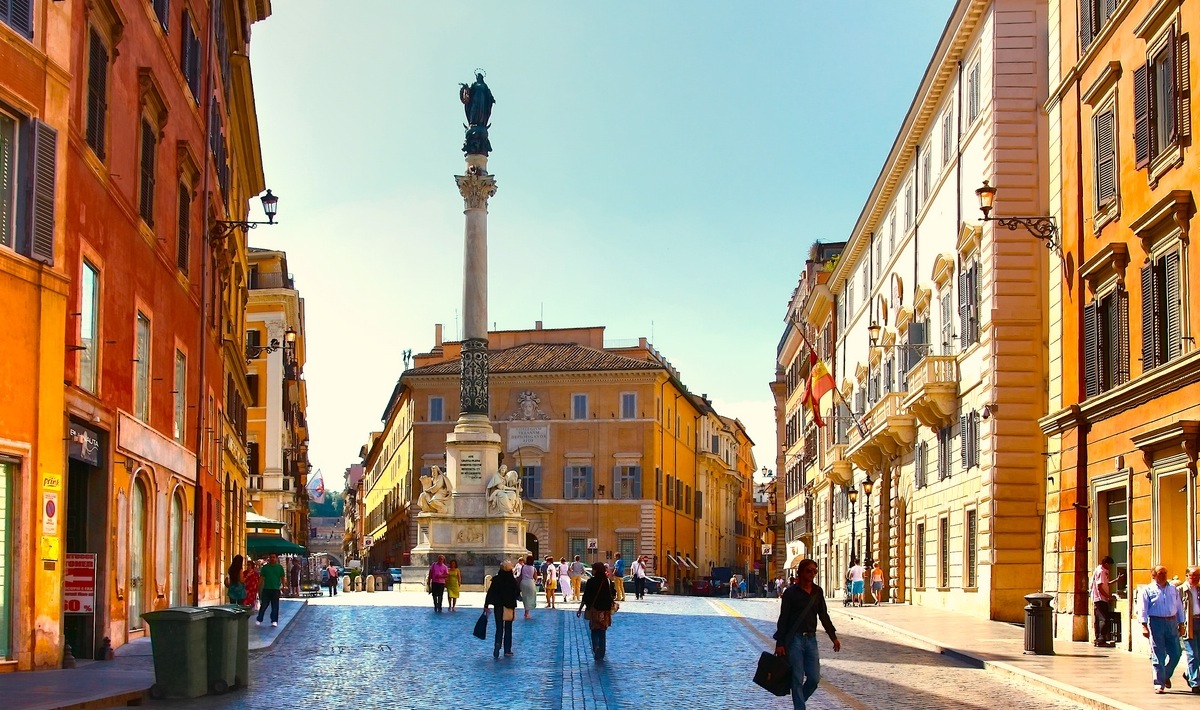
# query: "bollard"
[[346, 587], [371, 583], [1039, 624]]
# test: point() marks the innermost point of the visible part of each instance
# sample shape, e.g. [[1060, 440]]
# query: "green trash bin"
[[242, 614], [223, 646], [179, 644]]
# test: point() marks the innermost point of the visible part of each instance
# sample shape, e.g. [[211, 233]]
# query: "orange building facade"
[[1125, 387], [615, 454]]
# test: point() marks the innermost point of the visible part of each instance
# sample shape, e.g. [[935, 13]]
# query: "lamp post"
[[868, 485], [1043, 228], [852, 494], [289, 341], [767, 488]]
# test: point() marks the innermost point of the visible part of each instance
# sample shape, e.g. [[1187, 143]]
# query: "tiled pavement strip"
[[389, 650]]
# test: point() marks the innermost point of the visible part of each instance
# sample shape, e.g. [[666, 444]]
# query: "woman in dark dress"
[[598, 599], [502, 594]]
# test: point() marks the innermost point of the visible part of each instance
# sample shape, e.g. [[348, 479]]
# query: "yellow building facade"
[[277, 412]]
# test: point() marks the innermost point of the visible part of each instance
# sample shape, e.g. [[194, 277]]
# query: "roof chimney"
[[537, 325], [437, 335]]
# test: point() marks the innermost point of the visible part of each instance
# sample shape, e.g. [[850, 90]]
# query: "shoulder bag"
[[774, 673]]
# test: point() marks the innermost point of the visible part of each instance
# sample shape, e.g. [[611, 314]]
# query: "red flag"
[[820, 383]]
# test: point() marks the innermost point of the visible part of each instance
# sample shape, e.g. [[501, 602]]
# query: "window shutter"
[[41, 223], [8, 165], [1173, 91], [19, 15], [975, 438], [183, 245], [97, 93], [919, 474], [1141, 116], [587, 482], [1106, 158], [1091, 349], [1173, 335], [162, 10], [1149, 319], [147, 169], [973, 282], [918, 339], [964, 426], [1120, 337], [1183, 85], [1086, 35], [964, 311]]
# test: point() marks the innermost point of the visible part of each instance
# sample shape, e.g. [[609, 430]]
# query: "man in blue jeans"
[[1163, 617], [796, 633]]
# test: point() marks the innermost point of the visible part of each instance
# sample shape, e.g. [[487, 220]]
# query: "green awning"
[[263, 544]]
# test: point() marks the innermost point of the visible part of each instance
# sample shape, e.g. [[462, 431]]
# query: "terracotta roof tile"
[[545, 357]]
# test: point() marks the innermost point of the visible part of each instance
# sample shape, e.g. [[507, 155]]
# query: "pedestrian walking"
[[638, 570], [333, 580], [598, 597], [856, 576], [251, 579], [294, 577], [502, 594], [550, 580], [528, 583], [619, 577], [576, 578], [272, 586], [564, 578], [796, 632], [1100, 590], [1163, 618], [436, 579], [1189, 597], [453, 584], [876, 582], [235, 588]]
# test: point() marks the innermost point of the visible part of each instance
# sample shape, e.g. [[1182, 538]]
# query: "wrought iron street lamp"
[[852, 494], [1043, 228], [868, 485], [289, 341], [224, 227]]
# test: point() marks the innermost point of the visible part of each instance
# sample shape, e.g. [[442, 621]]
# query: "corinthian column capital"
[[476, 188]]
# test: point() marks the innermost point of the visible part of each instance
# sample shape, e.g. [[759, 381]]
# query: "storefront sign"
[[83, 444], [79, 583]]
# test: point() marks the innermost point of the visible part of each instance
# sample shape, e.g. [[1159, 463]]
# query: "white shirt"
[[637, 570], [856, 573]]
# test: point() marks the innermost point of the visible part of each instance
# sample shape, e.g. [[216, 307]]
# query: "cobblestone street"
[[390, 650]]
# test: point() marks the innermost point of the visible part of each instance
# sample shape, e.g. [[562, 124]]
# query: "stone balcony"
[[839, 468], [889, 429], [933, 391]]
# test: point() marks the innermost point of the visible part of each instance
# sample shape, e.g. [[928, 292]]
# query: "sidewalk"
[[1094, 677], [125, 680]]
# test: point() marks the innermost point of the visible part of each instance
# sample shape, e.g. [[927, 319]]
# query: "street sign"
[[766, 550], [593, 543], [368, 541], [79, 583]]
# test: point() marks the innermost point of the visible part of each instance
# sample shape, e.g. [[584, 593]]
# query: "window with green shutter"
[[1162, 304], [146, 183], [183, 243], [1104, 143], [97, 93], [18, 14]]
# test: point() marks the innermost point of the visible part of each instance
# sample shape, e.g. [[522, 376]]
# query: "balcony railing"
[[933, 390], [888, 428], [259, 280]]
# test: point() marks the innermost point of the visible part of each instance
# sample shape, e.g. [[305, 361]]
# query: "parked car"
[[396, 574], [662, 583], [703, 587], [654, 585]]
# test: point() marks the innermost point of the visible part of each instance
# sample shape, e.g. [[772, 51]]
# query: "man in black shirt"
[[796, 633]]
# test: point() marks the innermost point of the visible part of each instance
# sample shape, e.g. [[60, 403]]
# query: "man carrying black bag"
[[796, 633]]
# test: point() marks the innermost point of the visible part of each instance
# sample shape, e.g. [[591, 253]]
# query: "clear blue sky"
[[662, 169]]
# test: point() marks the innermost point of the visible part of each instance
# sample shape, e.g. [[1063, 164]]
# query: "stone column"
[[476, 187]]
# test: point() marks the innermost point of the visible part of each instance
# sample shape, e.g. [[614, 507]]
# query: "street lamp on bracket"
[[1044, 228], [224, 227], [289, 341]]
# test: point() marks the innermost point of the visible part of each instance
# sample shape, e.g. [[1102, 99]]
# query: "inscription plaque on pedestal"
[[470, 466]]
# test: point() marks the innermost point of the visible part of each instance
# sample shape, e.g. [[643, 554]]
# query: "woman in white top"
[[564, 577], [550, 575]]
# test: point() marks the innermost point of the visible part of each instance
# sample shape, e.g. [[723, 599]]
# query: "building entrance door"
[[1171, 523], [531, 544], [85, 517]]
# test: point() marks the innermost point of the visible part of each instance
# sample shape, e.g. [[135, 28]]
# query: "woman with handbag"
[[502, 594], [550, 575], [598, 597]]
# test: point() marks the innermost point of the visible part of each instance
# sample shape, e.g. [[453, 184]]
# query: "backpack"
[[325, 577]]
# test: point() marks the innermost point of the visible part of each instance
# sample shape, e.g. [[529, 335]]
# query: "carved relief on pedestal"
[[469, 534]]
